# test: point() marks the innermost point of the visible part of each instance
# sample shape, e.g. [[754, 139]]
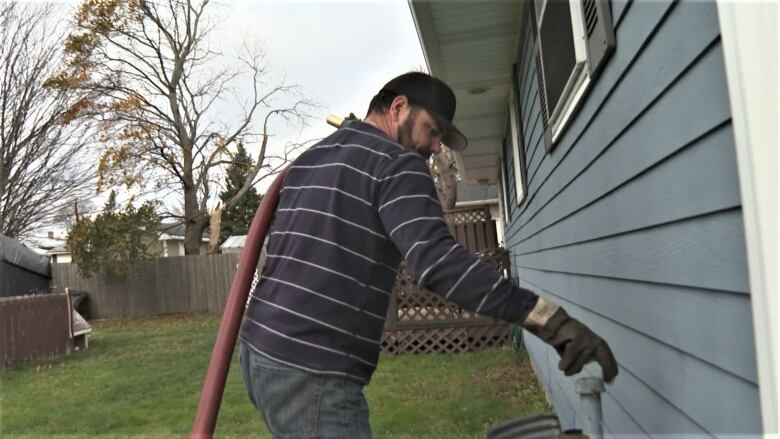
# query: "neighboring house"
[[170, 243], [53, 246], [638, 188], [233, 244], [59, 255]]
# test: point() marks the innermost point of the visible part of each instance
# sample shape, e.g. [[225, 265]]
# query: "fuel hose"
[[214, 384], [219, 365]]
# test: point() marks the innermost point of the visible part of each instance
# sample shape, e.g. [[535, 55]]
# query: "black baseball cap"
[[435, 96]]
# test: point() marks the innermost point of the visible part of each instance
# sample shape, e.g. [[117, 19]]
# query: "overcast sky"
[[339, 53]]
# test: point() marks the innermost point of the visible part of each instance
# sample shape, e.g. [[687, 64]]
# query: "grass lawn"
[[142, 378]]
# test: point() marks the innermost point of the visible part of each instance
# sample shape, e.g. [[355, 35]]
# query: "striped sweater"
[[350, 209]]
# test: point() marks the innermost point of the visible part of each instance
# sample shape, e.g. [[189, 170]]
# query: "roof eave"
[[445, 41]]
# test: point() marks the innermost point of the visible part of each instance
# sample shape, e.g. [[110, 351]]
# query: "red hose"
[[214, 384]]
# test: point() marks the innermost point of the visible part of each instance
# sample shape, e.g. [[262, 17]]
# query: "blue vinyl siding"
[[633, 222]]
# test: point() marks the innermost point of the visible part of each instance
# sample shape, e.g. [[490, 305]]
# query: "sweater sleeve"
[[413, 218]]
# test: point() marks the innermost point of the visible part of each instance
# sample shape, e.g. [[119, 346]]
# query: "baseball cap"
[[435, 96]]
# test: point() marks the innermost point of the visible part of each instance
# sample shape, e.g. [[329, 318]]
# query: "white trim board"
[[516, 144], [749, 37]]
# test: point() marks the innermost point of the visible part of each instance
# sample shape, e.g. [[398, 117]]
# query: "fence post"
[[70, 312], [391, 321]]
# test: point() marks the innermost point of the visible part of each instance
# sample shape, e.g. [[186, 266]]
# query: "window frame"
[[518, 142], [503, 192], [579, 79]]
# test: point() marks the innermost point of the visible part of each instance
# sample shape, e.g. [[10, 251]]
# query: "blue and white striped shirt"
[[350, 209]]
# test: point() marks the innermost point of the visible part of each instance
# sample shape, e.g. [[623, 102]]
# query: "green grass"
[[142, 378]]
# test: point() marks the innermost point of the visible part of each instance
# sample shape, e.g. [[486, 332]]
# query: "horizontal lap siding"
[[633, 222]]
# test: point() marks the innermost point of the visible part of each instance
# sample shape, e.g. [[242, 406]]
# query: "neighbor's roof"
[[58, 250], [175, 231], [234, 242], [171, 229]]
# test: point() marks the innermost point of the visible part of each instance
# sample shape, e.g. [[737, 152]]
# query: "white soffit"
[[472, 46]]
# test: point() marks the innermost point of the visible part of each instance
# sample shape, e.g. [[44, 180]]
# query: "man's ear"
[[399, 102]]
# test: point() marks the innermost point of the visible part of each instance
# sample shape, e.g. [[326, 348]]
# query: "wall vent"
[[600, 35], [591, 17]]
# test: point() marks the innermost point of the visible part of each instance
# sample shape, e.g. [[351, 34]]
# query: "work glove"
[[576, 343]]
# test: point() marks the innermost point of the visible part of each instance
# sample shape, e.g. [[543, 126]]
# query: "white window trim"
[[503, 195], [516, 147], [579, 79], [572, 97]]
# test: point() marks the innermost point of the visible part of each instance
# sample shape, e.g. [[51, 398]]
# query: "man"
[[350, 209]]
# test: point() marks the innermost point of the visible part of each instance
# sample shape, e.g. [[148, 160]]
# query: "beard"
[[405, 135]]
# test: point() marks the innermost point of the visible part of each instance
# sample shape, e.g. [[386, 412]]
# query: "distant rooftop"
[[177, 230], [236, 241]]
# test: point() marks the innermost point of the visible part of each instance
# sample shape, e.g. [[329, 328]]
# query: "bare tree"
[[43, 141], [160, 83]]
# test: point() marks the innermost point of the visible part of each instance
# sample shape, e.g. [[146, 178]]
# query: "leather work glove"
[[576, 343]]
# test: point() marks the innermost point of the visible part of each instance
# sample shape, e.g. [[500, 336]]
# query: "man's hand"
[[575, 342]]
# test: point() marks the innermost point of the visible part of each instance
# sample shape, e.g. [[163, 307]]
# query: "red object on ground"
[[214, 384]]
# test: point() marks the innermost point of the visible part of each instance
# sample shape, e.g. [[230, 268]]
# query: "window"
[[515, 134], [512, 154], [503, 190], [573, 39]]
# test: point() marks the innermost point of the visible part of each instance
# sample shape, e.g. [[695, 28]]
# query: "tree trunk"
[[193, 235], [215, 224], [195, 221], [445, 175]]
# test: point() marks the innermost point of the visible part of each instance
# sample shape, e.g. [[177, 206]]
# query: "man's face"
[[420, 132]]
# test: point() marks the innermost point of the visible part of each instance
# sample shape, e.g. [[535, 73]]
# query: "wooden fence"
[[34, 327], [178, 284], [473, 227], [419, 321]]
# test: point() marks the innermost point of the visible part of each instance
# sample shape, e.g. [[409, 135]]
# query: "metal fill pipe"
[[214, 384], [590, 389]]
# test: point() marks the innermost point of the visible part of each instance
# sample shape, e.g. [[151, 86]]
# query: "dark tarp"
[[22, 271]]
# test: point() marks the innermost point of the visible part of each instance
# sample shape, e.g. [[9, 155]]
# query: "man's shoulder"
[[366, 144], [366, 135]]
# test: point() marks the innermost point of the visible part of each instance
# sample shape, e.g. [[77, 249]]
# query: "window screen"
[[572, 41], [557, 43]]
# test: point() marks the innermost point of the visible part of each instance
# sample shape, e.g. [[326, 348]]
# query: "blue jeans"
[[298, 404]]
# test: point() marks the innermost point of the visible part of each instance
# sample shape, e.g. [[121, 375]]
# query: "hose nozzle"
[[334, 120], [339, 122]]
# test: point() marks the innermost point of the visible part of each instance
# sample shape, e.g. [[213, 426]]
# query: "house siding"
[[633, 222]]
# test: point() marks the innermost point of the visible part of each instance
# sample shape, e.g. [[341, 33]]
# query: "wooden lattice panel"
[[444, 340], [466, 216], [481, 337], [426, 341], [419, 321], [425, 306], [415, 304]]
